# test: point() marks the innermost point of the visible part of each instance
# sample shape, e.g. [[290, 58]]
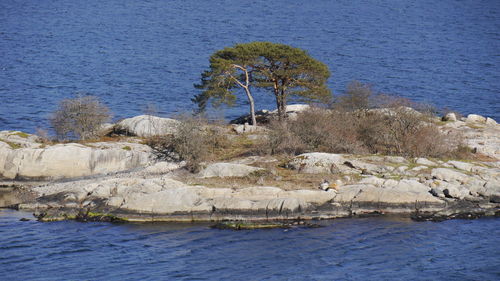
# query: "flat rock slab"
[[223, 170], [317, 163], [69, 161]]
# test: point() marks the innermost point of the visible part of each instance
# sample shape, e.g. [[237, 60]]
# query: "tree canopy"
[[283, 70]]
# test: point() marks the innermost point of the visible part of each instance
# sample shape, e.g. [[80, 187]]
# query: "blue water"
[[135, 53], [345, 249]]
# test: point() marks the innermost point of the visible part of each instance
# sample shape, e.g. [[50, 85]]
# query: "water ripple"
[[131, 53]]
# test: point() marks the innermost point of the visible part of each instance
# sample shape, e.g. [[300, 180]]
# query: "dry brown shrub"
[[357, 97], [79, 118], [402, 131], [282, 140], [194, 141], [316, 130], [43, 136], [395, 131]]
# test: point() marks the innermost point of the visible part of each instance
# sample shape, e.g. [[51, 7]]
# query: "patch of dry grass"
[[275, 175]]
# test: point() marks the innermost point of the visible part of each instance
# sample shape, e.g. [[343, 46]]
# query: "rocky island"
[[121, 178]]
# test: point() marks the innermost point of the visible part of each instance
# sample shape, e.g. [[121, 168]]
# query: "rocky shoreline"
[[123, 181]]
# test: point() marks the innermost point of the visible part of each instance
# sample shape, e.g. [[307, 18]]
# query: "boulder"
[[348, 192], [18, 139], [450, 117], [474, 118], [449, 175], [294, 108], [425, 161], [68, 161], [401, 170], [368, 168], [438, 192], [482, 139], [454, 191], [317, 163], [146, 126], [490, 121], [462, 165], [223, 170], [475, 186], [263, 116], [376, 181], [407, 185]]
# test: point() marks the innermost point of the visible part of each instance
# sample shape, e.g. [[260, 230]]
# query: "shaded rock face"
[[8, 197], [264, 116], [146, 126], [70, 160]]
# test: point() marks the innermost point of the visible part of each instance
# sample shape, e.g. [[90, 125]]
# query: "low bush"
[[390, 131], [318, 130], [79, 118], [357, 97], [194, 141]]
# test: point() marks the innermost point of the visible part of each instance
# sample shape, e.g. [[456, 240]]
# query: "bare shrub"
[[395, 131], [282, 139], [81, 118], [402, 131], [356, 97], [194, 141], [151, 110], [316, 130], [43, 135], [328, 131]]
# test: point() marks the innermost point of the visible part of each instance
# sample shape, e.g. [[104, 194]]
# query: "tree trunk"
[[246, 86], [280, 108], [279, 100], [252, 106], [283, 105]]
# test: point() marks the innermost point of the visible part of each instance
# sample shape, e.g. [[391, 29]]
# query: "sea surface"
[[133, 54], [344, 249]]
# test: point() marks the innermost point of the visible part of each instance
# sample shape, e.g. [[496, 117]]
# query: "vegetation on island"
[[360, 121], [79, 118], [284, 70]]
